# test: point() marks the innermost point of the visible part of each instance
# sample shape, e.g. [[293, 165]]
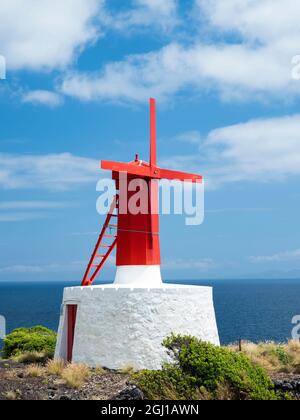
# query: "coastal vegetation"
[[29, 341], [195, 371], [274, 358], [203, 371]]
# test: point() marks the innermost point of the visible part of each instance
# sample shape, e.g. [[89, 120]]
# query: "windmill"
[[124, 323], [136, 236]]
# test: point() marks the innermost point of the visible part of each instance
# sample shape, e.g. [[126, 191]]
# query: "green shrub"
[[282, 355], [29, 340], [201, 369]]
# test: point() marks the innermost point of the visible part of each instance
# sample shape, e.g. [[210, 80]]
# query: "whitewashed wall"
[[121, 326]]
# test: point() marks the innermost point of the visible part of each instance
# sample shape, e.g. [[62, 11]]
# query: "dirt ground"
[[15, 384]]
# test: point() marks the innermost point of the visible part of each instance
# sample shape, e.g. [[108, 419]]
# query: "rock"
[[65, 398], [131, 392], [289, 384], [287, 387], [52, 388]]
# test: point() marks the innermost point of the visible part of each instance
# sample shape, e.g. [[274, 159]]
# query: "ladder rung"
[[104, 246], [114, 215], [113, 226], [110, 236], [100, 256]]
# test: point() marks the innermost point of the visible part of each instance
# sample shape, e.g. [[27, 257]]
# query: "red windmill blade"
[[137, 237]]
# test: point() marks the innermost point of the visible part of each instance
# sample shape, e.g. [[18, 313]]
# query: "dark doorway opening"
[[71, 313]]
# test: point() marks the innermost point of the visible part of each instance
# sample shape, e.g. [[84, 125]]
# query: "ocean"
[[256, 310]]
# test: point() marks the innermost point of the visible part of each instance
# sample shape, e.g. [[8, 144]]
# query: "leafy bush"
[[282, 355], [204, 371], [29, 340]]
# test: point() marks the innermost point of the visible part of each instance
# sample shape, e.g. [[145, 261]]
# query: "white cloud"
[[235, 71], [46, 268], [21, 269], [192, 137], [43, 97], [146, 13], [184, 264], [165, 8], [263, 20], [239, 210], [51, 172], [280, 257], [141, 15], [46, 34], [260, 150], [31, 205], [135, 79], [20, 216], [20, 211], [259, 63], [49, 34]]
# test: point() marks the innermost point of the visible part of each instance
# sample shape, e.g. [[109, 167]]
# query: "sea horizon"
[[254, 310]]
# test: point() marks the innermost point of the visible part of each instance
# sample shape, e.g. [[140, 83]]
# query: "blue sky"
[[77, 89]]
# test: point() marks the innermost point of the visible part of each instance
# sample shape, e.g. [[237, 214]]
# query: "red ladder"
[[98, 258]]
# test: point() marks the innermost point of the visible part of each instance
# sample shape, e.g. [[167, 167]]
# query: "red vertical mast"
[[152, 132]]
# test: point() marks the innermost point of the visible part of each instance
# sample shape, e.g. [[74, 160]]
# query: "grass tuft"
[[55, 367], [75, 375], [10, 395], [35, 371]]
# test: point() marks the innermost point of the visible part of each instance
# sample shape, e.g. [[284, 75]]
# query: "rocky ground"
[[287, 383], [15, 384]]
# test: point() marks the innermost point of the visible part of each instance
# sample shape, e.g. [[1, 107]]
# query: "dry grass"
[[75, 375], [55, 367], [10, 395], [11, 374], [32, 357], [35, 371], [224, 393], [293, 350], [275, 358], [128, 369], [99, 371]]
